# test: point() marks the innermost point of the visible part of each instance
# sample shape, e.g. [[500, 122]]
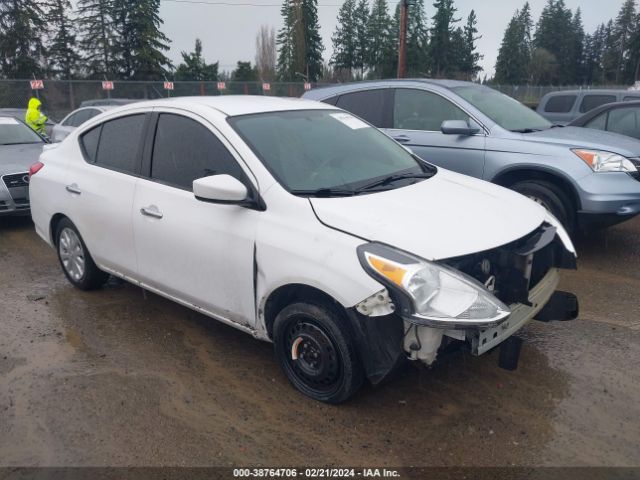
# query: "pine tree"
[[344, 39], [470, 57], [22, 27], [97, 27], [285, 41], [312, 41], [140, 46], [417, 40], [442, 32], [361, 20], [577, 48], [514, 56], [62, 52], [299, 42], [194, 66], [623, 31], [380, 39], [610, 57], [554, 34], [593, 52], [244, 72]]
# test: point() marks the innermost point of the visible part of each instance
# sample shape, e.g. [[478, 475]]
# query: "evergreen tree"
[[554, 34], [592, 56], [442, 31], [344, 39], [194, 66], [624, 29], [22, 27], [97, 27], [361, 20], [312, 41], [299, 42], [244, 72], [417, 40], [514, 56], [610, 56], [380, 40], [62, 53], [577, 49], [140, 46], [286, 61], [470, 57]]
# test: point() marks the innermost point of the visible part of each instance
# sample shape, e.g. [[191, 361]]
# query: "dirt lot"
[[114, 377]]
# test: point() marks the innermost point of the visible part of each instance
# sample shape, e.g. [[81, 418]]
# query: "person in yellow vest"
[[34, 117]]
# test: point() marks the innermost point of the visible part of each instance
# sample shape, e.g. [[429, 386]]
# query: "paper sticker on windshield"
[[8, 121], [350, 121]]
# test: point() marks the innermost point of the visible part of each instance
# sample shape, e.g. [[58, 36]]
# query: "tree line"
[[559, 51], [123, 40]]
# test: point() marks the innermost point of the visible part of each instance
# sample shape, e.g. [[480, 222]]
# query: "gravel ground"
[[119, 378]]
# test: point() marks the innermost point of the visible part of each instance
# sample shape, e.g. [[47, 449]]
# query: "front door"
[[417, 118], [199, 252]]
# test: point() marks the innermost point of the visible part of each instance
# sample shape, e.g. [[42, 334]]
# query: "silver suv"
[[586, 178]]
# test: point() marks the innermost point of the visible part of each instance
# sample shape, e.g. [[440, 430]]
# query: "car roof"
[[594, 91], [232, 105], [335, 89]]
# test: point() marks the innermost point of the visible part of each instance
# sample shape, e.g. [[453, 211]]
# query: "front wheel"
[[316, 352], [75, 259], [551, 198]]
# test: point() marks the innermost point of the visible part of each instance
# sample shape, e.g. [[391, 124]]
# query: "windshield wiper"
[[394, 178], [325, 192]]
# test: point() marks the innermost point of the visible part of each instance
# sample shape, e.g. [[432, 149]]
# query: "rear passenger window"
[[560, 104], [89, 143], [120, 142], [184, 150], [589, 102], [368, 105]]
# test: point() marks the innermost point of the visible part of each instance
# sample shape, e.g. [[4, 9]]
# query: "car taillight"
[[35, 168]]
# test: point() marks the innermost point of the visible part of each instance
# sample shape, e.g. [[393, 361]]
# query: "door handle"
[[73, 188], [401, 139], [151, 211]]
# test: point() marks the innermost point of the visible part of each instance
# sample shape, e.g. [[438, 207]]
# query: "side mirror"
[[458, 127], [220, 189]]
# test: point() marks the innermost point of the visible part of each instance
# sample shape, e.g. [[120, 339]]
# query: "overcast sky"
[[228, 32]]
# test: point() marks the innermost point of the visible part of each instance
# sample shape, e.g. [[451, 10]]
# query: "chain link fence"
[[62, 96]]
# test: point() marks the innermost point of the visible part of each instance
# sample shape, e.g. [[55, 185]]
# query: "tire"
[[326, 367], [75, 259], [551, 198]]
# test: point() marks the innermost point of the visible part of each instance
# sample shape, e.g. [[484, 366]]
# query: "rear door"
[[417, 116], [101, 189], [199, 252]]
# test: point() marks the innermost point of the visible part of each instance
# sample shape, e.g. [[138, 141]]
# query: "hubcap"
[[313, 357], [71, 254]]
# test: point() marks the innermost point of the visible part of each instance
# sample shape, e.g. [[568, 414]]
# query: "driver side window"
[[422, 110]]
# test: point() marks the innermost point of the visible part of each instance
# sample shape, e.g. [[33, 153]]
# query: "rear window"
[[589, 102], [560, 104], [120, 142], [368, 105]]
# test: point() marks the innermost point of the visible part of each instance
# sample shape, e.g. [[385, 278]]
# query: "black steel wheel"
[[316, 352]]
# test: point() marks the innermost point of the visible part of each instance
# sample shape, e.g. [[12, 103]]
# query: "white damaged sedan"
[[303, 225]]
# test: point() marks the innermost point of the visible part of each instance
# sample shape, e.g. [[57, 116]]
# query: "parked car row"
[[350, 247]]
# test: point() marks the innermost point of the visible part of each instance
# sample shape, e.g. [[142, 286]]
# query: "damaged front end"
[[481, 299]]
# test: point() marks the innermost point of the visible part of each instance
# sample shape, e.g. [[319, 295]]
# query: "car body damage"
[[523, 274]]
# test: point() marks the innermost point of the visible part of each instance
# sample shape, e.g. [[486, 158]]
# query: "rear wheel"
[[316, 352], [75, 259], [551, 198]]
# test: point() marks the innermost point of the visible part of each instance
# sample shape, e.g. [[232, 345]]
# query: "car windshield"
[[502, 109], [12, 132], [328, 152]]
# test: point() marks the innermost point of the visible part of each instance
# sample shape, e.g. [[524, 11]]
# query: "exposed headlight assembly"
[[430, 293], [600, 161]]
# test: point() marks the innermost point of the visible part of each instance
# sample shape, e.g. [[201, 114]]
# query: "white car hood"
[[445, 216]]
